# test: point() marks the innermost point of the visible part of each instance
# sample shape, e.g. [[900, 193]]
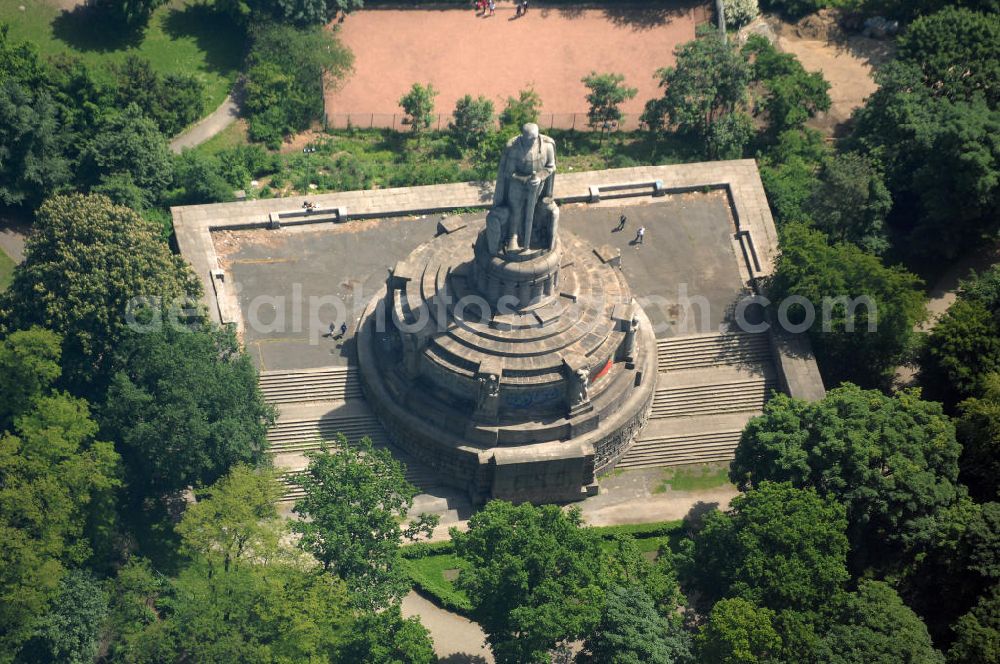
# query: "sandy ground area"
[[847, 62], [496, 56]]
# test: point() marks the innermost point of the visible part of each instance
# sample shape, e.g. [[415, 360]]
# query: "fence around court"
[[578, 121]]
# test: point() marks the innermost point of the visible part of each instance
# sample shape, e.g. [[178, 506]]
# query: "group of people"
[[640, 233], [489, 8]]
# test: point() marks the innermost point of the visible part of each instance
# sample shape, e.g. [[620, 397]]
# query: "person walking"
[[493, 7], [524, 7], [621, 223], [640, 235]]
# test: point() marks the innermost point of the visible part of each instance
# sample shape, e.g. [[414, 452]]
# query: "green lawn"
[[6, 270], [182, 37], [695, 477], [429, 575]]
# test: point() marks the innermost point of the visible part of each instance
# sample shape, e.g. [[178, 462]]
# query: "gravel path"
[[208, 126]]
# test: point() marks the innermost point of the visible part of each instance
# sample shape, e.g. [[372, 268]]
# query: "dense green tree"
[[472, 120], [172, 101], [184, 407], [864, 312], [33, 145], [85, 261], [522, 109], [57, 487], [627, 567], [286, 71], [707, 83], [977, 633], [198, 179], [235, 518], [129, 143], [892, 461], [962, 349], [34, 138], [778, 546], [738, 632], [269, 613], [941, 160], [121, 190], [963, 556], [418, 107], [958, 51], [607, 92], [29, 365], [729, 136], [534, 578], [874, 625], [355, 500], [127, 14], [791, 95], [789, 171], [978, 430], [851, 202], [69, 632], [631, 632], [132, 610], [386, 637]]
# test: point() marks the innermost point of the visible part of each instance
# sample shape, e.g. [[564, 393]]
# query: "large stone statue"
[[525, 179]]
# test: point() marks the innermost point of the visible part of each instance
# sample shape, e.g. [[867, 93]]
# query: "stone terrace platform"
[[709, 237]]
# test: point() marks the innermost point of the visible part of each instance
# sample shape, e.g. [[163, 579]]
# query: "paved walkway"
[[208, 126], [12, 237], [457, 640]]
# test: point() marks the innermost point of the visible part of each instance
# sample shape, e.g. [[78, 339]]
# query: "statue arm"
[[549, 169], [500, 191]]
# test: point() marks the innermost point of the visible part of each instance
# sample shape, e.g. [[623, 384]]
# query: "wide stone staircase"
[[708, 386], [315, 405]]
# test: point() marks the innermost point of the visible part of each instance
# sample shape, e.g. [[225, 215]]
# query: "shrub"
[[740, 12]]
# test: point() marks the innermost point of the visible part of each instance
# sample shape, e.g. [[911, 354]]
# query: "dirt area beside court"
[[846, 60]]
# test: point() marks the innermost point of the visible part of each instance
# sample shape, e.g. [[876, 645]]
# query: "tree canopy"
[[778, 546], [184, 406], [958, 51], [534, 578], [631, 631], [355, 500], [607, 92], [892, 461], [864, 311], [86, 260]]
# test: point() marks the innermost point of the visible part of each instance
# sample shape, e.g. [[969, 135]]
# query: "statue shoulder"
[[512, 140], [548, 140]]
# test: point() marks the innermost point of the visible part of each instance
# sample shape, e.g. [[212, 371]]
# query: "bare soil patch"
[[847, 61]]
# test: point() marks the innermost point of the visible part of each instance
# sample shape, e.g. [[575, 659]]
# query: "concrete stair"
[[710, 350], [326, 384], [715, 398], [672, 448], [302, 427], [709, 385]]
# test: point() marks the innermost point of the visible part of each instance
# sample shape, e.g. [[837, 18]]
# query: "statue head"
[[529, 131]]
